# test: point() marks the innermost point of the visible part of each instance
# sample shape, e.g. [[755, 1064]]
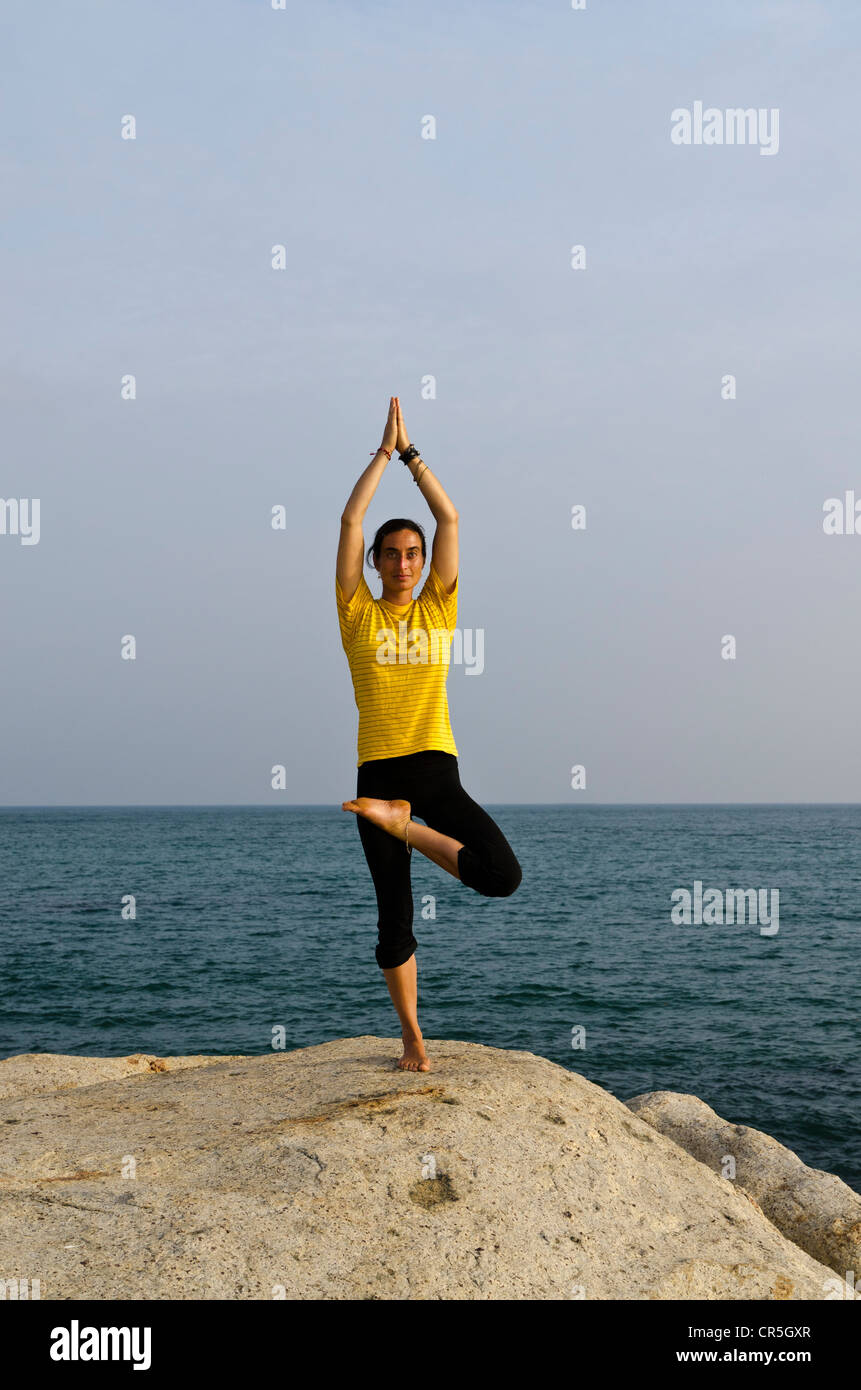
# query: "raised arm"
[[444, 553], [351, 543]]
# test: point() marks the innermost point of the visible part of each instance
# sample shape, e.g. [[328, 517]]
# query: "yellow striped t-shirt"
[[399, 660]]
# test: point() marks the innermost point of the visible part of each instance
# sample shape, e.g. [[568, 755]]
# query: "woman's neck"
[[390, 602]]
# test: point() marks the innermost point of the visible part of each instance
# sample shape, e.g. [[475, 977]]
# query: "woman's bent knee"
[[497, 880], [508, 881]]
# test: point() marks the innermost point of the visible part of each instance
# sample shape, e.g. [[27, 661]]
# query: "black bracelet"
[[409, 454]]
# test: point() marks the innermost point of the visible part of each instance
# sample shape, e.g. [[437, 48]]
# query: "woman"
[[398, 651]]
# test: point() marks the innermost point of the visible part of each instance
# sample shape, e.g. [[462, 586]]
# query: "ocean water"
[[250, 919]]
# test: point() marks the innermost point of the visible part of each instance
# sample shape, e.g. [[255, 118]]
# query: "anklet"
[[407, 838]]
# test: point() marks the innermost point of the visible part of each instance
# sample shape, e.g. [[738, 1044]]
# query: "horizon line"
[[331, 805]]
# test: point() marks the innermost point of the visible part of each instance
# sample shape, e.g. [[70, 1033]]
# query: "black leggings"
[[430, 782]]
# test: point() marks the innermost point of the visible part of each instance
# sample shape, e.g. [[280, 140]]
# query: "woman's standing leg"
[[402, 981], [389, 862], [459, 836]]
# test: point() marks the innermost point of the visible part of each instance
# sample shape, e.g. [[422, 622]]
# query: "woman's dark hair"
[[398, 523]]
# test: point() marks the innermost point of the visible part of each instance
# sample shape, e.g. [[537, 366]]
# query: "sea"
[[178, 930]]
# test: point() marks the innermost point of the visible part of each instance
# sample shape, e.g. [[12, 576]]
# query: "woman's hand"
[[390, 433], [403, 437]]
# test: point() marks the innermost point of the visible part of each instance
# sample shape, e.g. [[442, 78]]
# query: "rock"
[[32, 1072], [326, 1173], [815, 1210]]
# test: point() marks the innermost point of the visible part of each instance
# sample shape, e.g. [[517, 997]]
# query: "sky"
[[447, 260]]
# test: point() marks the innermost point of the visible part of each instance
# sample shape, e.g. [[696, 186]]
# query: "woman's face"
[[401, 560]]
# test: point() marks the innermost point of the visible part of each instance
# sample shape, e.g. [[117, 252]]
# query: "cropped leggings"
[[430, 782]]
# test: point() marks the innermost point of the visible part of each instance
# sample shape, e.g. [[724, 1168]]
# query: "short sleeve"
[[445, 601], [349, 612]]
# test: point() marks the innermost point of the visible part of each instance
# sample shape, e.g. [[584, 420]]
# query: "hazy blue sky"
[[450, 257]]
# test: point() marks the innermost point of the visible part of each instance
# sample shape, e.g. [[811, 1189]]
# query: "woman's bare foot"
[[415, 1058], [391, 816]]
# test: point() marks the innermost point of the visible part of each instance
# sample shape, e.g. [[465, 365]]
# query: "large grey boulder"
[[813, 1209], [326, 1173]]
